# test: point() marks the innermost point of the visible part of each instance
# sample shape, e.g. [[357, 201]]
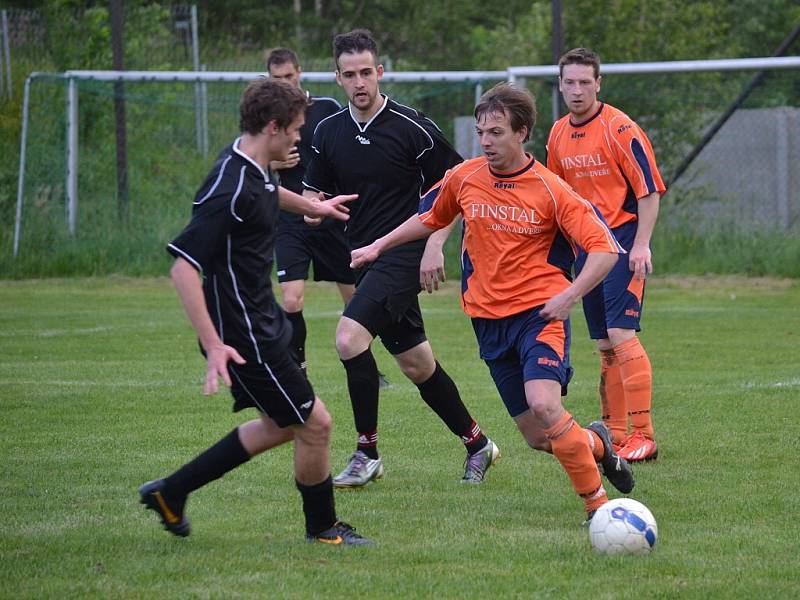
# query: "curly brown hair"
[[266, 100]]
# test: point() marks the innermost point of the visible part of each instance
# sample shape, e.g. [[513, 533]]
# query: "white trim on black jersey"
[[367, 124], [235, 148], [216, 183], [428, 135], [220, 327], [193, 262], [416, 112], [236, 194], [334, 100], [338, 112]]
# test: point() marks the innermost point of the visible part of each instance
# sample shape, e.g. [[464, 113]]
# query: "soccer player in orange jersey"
[[606, 157], [520, 224]]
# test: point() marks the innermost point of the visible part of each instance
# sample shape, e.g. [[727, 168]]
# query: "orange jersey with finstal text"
[[608, 160], [519, 234]]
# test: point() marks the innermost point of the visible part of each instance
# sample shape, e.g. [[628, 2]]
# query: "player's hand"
[[314, 221], [291, 161], [431, 269], [333, 208], [217, 366], [361, 256], [558, 307], [640, 261]]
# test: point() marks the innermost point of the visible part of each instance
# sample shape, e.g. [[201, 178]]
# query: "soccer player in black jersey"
[[389, 154], [298, 244], [243, 332]]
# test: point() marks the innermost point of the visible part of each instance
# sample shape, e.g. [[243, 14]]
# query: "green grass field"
[[100, 390]]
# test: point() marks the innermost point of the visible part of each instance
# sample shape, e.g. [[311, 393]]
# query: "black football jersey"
[[230, 240], [389, 161]]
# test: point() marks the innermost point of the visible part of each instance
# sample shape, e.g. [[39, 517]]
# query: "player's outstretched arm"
[[598, 265], [317, 208], [411, 230], [187, 284]]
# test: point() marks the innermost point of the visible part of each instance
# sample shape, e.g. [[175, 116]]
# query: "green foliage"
[[92, 27], [685, 243], [100, 387], [523, 39]]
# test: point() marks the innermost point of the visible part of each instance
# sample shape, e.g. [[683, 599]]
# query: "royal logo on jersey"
[[547, 362], [578, 134], [504, 185], [362, 140], [624, 128]]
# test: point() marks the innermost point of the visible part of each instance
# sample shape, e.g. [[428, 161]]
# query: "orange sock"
[[595, 444], [637, 379], [571, 448], [613, 407]]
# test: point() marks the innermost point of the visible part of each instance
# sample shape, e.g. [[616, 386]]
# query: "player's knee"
[[417, 372], [619, 336], [293, 303], [318, 427], [543, 410], [349, 345], [322, 422]]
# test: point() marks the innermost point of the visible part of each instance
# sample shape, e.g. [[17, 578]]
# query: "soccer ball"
[[623, 526]]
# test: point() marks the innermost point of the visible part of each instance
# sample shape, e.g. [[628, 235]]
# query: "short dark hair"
[[516, 103], [281, 56], [580, 56], [266, 100], [358, 40]]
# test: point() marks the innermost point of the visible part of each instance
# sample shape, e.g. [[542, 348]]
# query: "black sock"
[[318, 506], [441, 394], [362, 383], [297, 345], [224, 456], [368, 443]]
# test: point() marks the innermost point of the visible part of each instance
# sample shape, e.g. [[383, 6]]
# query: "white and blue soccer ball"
[[623, 526]]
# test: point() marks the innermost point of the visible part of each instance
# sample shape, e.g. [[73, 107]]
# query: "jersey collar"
[[517, 173], [250, 160], [590, 119], [363, 128]]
